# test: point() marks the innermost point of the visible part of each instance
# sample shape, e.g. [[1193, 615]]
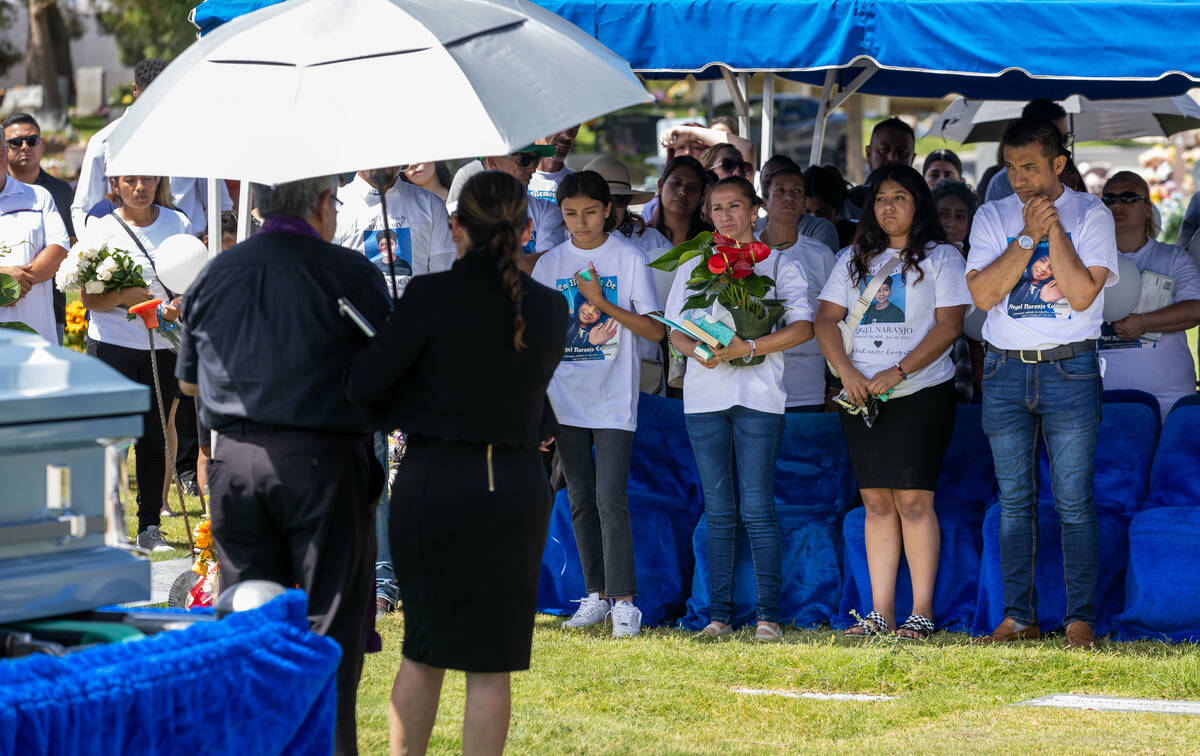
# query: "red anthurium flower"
[[730, 251], [718, 263], [741, 268], [725, 240], [757, 251]]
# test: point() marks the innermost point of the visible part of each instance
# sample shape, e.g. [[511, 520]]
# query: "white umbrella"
[[316, 87], [984, 120]]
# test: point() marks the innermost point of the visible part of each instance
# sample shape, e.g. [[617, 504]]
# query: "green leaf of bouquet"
[[10, 290], [698, 302], [755, 286], [681, 253], [14, 325]]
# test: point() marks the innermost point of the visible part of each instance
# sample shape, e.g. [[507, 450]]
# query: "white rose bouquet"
[[97, 271]]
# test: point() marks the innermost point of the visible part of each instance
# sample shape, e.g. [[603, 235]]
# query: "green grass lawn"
[[664, 693], [172, 527]]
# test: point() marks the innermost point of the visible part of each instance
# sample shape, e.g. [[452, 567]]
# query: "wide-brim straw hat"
[[619, 182]]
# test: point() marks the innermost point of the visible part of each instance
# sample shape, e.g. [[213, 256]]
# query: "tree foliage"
[[149, 28], [10, 54]]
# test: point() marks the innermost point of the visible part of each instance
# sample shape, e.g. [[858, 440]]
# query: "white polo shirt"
[[29, 222]]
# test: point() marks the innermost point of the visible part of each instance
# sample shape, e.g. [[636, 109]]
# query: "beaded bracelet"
[[903, 375]]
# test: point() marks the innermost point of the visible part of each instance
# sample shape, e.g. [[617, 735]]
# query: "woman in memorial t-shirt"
[[739, 411], [1161, 367], [594, 392], [897, 460], [143, 205]]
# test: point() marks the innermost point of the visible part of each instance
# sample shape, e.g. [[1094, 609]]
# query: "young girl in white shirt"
[[594, 392]]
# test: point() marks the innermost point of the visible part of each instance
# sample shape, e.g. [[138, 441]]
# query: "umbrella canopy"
[[984, 49], [984, 121], [314, 87]]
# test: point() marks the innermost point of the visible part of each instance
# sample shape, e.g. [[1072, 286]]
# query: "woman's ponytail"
[[493, 210]]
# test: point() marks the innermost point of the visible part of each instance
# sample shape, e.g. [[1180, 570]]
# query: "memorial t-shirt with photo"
[[1035, 314], [417, 233], [1164, 368], [596, 384], [903, 313]]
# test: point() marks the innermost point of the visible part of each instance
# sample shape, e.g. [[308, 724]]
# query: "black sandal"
[[872, 624], [919, 624]]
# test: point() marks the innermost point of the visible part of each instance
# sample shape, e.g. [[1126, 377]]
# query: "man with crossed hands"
[[1039, 262]]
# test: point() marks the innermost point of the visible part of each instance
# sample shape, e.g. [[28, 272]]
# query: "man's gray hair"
[[298, 198]]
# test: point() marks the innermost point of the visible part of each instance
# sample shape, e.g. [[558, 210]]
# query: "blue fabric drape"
[[1162, 586], [257, 682]]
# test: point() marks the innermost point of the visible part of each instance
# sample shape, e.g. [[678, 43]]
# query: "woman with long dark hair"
[[462, 366], [904, 359], [680, 192]]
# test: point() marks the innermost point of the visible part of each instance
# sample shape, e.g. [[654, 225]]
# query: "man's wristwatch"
[[1025, 242]]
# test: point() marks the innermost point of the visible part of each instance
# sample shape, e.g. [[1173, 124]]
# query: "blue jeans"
[[1059, 401], [385, 576], [752, 439]]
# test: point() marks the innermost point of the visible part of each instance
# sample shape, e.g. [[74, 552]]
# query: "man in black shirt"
[[23, 140], [293, 475], [893, 142]]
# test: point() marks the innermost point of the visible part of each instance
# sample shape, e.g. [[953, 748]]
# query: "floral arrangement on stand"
[[97, 271], [724, 275], [206, 566]]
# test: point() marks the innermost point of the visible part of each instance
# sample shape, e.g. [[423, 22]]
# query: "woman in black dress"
[[462, 366]]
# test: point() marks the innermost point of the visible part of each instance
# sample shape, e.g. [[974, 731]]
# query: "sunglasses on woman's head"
[[17, 142], [729, 165], [1125, 198]]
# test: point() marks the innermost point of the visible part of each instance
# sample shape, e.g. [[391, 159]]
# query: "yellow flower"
[[127, 99]]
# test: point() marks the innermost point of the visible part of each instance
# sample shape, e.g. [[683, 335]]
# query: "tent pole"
[[768, 119], [830, 102], [814, 155], [739, 99], [743, 81], [244, 200], [214, 217]]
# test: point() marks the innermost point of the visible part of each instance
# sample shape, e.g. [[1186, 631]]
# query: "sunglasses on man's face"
[[526, 159], [1125, 198], [17, 142]]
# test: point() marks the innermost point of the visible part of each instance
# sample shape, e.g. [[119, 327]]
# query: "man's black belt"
[[1030, 356]]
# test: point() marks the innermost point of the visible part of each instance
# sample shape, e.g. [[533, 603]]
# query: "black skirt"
[[905, 446], [466, 558]]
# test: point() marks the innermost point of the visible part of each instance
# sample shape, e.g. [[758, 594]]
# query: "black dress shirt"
[[263, 337], [444, 366]]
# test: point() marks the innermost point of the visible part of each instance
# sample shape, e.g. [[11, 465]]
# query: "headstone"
[[27, 99], [89, 90], [859, 697]]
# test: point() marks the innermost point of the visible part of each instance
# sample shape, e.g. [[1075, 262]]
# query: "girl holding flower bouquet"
[[734, 396], [142, 221]]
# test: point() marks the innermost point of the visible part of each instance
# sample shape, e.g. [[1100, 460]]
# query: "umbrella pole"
[[162, 416], [396, 243]]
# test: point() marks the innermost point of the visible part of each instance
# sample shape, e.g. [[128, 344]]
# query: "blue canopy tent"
[[981, 49]]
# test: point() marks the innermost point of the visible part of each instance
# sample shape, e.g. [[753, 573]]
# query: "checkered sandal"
[[872, 624], [917, 623]]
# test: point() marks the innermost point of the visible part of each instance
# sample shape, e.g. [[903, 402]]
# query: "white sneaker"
[[151, 540], [592, 611], [626, 619]]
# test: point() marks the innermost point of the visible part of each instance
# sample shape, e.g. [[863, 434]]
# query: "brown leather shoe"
[[382, 606], [1007, 631], [1080, 635]]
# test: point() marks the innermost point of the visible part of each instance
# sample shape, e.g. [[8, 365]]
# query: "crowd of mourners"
[[516, 324]]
